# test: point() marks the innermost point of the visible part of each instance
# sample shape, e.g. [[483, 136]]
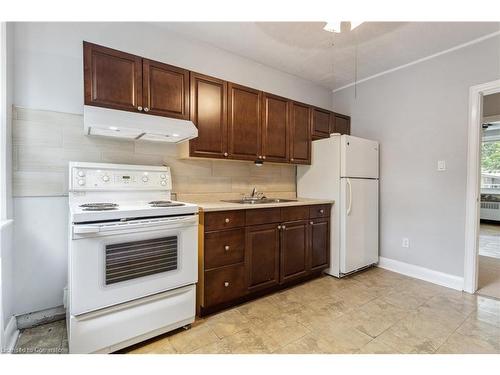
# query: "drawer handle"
[[321, 211], [279, 227], [226, 284], [311, 222], [283, 226], [227, 220], [226, 247]]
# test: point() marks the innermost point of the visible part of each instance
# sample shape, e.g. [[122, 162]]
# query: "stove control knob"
[[162, 176], [163, 183], [105, 178], [81, 174], [81, 182], [145, 179]]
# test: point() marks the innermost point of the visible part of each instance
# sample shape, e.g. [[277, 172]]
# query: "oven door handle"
[[81, 229], [99, 228]]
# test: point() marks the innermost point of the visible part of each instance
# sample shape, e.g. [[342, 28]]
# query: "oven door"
[[116, 262]]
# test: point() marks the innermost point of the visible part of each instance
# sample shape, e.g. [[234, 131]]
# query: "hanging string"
[[355, 64]]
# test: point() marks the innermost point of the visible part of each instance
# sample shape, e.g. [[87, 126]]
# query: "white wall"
[[419, 114], [6, 245], [49, 76]]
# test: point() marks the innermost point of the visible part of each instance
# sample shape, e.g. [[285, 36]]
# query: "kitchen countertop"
[[226, 206]]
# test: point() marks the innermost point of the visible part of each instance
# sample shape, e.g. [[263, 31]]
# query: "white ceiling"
[[305, 49]]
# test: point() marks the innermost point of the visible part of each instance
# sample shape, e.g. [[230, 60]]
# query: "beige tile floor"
[[489, 240], [375, 311], [489, 260]]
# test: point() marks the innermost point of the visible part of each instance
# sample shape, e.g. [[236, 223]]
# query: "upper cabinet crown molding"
[[233, 121]]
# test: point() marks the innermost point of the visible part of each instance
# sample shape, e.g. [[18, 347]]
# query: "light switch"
[[441, 165]]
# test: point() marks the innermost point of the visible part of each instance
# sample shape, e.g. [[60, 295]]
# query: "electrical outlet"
[[405, 242]]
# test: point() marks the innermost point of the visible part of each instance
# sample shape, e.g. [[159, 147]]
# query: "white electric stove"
[[132, 256]]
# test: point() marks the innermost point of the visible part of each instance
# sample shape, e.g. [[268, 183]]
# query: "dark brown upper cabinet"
[[300, 133], [165, 90], [275, 128], [233, 121], [342, 124], [243, 122], [321, 121], [209, 114], [112, 79]]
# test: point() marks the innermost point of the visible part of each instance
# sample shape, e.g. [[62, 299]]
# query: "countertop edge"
[[226, 206]]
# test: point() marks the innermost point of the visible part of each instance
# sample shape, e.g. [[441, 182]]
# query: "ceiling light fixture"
[[335, 26], [332, 27]]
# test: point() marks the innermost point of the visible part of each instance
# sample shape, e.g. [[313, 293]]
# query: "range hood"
[[106, 122]]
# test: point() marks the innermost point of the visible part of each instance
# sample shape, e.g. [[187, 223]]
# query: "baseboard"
[[426, 274], [11, 334], [41, 317]]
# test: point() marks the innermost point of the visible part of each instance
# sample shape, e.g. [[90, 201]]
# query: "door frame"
[[473, 189]]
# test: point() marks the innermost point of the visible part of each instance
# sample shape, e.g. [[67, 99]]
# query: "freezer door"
[[359, 157], [358, 223]]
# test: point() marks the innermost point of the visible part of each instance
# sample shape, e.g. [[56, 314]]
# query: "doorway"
[[489, 213], [482, 238]]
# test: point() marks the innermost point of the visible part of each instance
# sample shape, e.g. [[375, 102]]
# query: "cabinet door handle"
[[227, 220], [291, 159], [226, 248], [283, 226], [279, 227], [226, 154], [311, 222], [146, 109], [139, 108], [264, 156], [321, 211], [226, 284]]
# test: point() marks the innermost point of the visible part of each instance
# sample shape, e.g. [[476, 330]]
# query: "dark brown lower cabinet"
[[320, 242], [262, 256], [224, 284], [294, 249], [247, 253]]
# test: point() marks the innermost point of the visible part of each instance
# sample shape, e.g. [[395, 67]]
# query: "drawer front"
[[322, 210], [224, 220], [224, 284], [263, 216], [224, 248], [295, 213]]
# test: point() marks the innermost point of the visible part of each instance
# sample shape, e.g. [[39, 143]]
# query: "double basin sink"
[[259, 200]]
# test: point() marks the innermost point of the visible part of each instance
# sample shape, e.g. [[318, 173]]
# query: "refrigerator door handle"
[[348, 181]]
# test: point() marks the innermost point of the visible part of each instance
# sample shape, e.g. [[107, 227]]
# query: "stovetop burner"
[[165, 204], [99, 206]]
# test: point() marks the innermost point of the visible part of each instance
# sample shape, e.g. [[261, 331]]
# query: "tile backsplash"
[[45, 141]]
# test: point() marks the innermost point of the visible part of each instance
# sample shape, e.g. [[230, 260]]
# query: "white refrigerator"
[[346, 169]]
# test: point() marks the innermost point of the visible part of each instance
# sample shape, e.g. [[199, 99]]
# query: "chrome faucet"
[[256, 194]]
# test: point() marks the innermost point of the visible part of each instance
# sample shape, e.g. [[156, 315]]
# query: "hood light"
[[175, 135], [114, 128]]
